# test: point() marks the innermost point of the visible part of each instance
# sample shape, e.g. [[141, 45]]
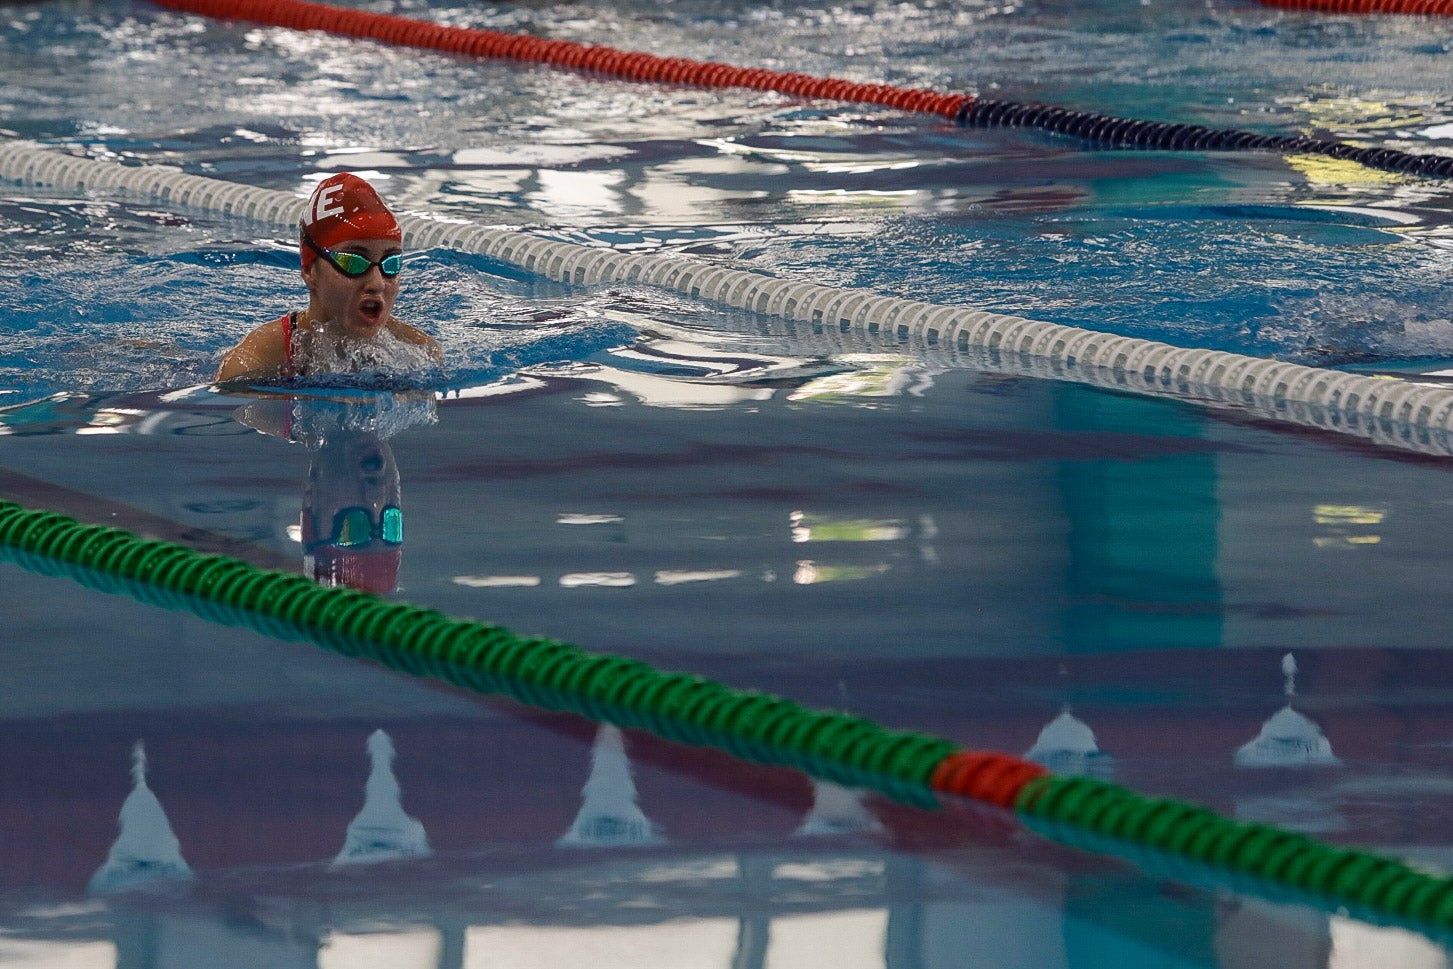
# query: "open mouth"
[[371, 310]]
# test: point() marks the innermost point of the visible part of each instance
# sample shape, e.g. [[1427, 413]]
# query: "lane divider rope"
[[965, 109], [691, 709], [630, 65], [1412, 8], [1113, 132], [1404, 414]]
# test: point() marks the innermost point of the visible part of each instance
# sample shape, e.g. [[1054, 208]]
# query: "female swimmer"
[[351, 249]]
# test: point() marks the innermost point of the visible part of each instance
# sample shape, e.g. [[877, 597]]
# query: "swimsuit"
[[288, 322]]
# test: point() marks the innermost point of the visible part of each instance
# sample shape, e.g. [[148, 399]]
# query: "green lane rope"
[[547, 673], [421, 641], [1370, 885]]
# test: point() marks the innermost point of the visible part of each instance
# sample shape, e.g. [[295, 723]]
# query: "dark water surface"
[[981, 559]]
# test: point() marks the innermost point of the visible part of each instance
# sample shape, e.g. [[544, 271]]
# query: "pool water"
[[1192, 602]]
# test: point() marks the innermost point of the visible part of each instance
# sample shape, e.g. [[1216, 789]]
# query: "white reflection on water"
[[683, 944], [853, 939], [146, 852], [609, 816], [1067, 746], [837, 810], [382, 830], [497, 581], [1288, 738], [683, 576], [407, 949], [1356, 945], [51, 954], [597, 580]]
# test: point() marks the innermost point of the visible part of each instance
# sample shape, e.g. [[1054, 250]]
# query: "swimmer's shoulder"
[[262, 351], [412, 334]]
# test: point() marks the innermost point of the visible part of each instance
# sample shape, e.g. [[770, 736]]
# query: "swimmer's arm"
[[416, 336], [260, 353]]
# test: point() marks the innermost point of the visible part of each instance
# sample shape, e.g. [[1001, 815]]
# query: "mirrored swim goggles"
[[354, 526], [353, 264]]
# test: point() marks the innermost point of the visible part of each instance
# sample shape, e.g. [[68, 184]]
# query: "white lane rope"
[[1401, 413]]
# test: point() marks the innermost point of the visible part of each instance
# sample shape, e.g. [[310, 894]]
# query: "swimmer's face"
[[360, 304]]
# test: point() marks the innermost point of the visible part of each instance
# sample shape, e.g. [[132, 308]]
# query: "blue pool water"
[[1106, 583]]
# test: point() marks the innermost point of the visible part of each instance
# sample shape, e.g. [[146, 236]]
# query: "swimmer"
[[351, 249]]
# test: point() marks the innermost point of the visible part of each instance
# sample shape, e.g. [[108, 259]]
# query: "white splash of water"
[[382, 353]]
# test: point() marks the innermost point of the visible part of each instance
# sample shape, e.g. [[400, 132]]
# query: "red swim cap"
[[342, 208]]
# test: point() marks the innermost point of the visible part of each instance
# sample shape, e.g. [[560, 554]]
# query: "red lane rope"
[[635, 66], [965, 109], [985, 776]]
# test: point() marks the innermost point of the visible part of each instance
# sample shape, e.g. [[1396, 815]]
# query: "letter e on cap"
[[326, 203]]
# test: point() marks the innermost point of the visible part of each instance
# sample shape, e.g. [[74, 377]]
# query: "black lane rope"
[[1129, 133]]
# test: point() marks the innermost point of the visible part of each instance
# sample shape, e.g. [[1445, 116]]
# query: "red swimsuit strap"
[[288, 322]]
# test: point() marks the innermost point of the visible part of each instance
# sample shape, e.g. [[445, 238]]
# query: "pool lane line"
[[1385, 411], [758, 727], [1409, 8], [965, 109]]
